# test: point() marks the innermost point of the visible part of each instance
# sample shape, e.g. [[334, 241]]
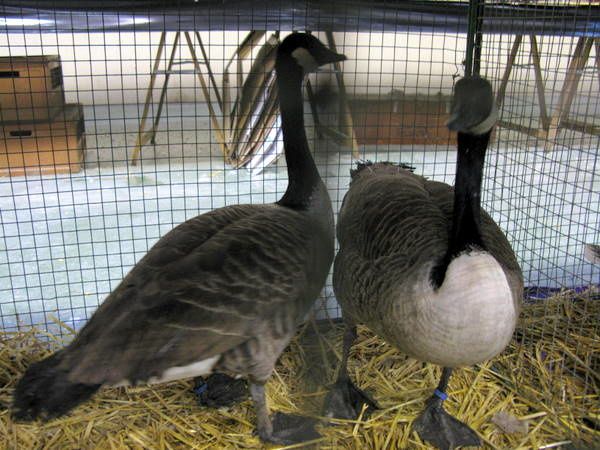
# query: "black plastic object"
[[220, 390]]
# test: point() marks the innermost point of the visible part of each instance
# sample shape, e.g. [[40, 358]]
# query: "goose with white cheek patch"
[[425, 268], [224, 291]]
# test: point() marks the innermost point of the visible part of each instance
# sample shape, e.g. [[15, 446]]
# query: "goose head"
[[473, 109], [306, 53]]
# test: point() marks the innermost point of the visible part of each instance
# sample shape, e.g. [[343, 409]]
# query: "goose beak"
[[315, 58], [323, 55], [329, 57], [454, 122]]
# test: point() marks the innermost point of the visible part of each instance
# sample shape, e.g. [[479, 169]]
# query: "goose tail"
[[363, 167], [45, 391]]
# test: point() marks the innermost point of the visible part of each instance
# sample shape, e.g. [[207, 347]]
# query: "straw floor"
[[548, 379]]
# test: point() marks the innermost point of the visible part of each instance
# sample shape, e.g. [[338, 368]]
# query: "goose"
[[222, 292], [421, 265]]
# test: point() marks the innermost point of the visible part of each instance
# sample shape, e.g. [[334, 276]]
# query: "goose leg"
[[345, 400], [282, 429], [438, 427]]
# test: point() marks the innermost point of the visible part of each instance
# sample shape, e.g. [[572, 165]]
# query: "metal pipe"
[[474, 38]]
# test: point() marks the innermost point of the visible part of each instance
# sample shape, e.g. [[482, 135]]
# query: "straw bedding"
[[542, 392]]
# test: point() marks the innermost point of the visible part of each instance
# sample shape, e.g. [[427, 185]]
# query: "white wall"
[[114, 68]]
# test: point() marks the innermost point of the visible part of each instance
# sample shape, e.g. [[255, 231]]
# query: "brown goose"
[[422, 266], [223, 291]]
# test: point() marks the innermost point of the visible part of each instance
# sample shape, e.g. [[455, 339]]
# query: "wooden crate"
[[31, 87], [34, 147], [401, 119]]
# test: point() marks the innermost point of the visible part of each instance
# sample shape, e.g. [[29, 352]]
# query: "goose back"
[[223, 284]]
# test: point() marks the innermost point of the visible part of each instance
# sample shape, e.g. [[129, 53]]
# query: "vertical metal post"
[[345, 117], [474, 38], [478, 38], [163, 92], [139, 141]]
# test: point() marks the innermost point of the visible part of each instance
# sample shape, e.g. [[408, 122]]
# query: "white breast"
[[469, 319]]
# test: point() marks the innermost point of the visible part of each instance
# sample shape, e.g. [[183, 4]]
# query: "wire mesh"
[[542, 184], [67, 239]]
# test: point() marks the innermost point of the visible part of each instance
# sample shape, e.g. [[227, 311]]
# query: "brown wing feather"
[[206, 287]]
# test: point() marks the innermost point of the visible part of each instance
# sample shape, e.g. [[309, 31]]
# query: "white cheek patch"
[[305, 59], [487, 124]]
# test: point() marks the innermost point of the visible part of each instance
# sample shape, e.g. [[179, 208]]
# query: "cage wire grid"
[[540, 191], [68, 239]]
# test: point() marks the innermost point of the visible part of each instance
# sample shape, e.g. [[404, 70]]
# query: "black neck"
[[465, 233], [302, 171]]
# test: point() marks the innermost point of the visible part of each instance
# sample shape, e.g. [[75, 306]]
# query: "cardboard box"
[[401, 119], [34, 147], [31, 87]]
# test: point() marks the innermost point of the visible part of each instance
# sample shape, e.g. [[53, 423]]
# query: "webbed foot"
[[345, 401], [439, 428], [280, 428], [289, 429], [220, 390]]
